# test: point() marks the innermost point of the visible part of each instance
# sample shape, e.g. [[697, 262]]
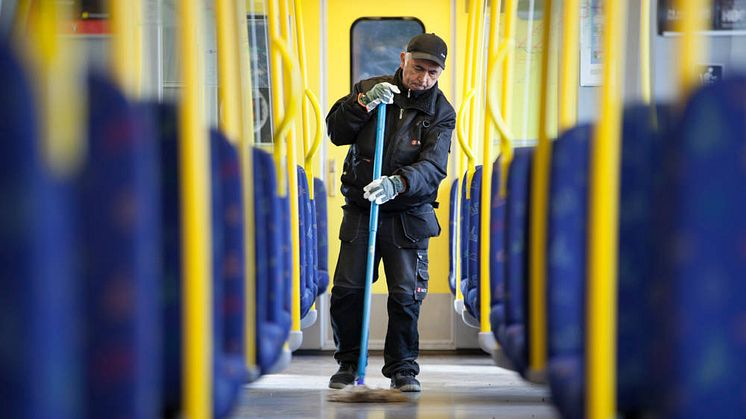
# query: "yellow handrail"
[[603, 222], [247, 184], [485, 292], [460, 121], [318, 136], [228, 70], [691, 50], [476, 70], [496, 114], [276, 67], [123, 45], [196, 242], [291, 113], [645, 69], [539, 212], [506, 147], [309, 147], [569, 75], [56, 69]]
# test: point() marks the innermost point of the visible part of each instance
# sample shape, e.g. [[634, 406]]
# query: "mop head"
[[365, 394]]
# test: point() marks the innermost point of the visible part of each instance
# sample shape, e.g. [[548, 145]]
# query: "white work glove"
[[383, 189], [380, 93]]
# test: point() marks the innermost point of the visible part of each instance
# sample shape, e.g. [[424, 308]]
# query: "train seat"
[[701, 282], [567, 260], [497, 251], [471, 288], [452, 239], [512, 333], [322, 234], [39, 309], [229, 367], [119, 224], [272, 268], [308, 244]]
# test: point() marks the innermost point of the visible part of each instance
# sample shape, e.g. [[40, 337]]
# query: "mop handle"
[[372, 229]]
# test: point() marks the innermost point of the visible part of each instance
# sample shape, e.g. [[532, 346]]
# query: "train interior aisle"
[[453, 386]]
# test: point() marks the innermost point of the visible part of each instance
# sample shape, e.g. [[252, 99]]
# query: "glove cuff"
[[364, 101], [398, 182]]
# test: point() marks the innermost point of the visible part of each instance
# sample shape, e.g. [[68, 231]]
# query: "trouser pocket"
[[420, 289]]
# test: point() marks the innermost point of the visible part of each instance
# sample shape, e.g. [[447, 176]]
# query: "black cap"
[[428, 46]]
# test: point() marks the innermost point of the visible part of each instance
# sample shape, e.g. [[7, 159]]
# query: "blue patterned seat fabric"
[[452, 239], [471, 287], [464, 233], [497, 253], [322, 234], [273, 281], [120, 230], [567, 283], [40, 363], [702, 249], [308, 277], [513, 335], [229, 370]]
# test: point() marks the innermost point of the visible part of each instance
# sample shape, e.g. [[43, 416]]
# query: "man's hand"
[[380, 93], [384, 189]]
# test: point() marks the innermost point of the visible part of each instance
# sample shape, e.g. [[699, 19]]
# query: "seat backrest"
[[40, 362], [322, 234], [120, 228], [702, 249]]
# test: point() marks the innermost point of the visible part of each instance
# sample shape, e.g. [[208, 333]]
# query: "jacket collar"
[[411, 99]]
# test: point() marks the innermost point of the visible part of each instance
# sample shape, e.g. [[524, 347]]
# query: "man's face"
[[419, 74]]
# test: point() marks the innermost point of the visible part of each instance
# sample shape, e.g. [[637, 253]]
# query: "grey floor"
[[452, 387]]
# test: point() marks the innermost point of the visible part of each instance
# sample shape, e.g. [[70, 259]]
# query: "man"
[[419, 124]]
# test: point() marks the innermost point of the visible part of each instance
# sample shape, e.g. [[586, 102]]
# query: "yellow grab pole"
[[485, 293], [603, 222], [506, 147], [539, 210], [277, 92], [318, 136], [300, 42], [692, 21], [476, 73], [228, 70], [568, 110], [123, 45], [292, 177], [56, 69], [196, 241], [645, 69], [247, 184]]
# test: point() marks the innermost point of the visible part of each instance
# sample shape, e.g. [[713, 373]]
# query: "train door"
[[379, 26]]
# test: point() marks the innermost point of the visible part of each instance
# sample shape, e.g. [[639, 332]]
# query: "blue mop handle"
[[372, 229]]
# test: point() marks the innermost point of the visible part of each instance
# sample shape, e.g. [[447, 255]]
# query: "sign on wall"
[[722, 16], [591, 43]]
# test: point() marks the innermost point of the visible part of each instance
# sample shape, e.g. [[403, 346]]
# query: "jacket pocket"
[[420, 290]]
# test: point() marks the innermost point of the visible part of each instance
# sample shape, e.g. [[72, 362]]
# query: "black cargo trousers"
[[401, 242]]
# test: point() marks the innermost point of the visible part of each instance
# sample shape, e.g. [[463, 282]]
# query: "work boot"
[[344, 376], [405, 381]]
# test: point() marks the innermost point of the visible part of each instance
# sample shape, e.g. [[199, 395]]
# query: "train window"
[[260, 79], [376, 42]]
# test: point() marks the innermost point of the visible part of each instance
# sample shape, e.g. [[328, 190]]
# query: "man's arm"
[[424, 176], [346, 118]]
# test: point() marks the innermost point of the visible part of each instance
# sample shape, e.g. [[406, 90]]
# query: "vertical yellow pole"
[[292, 181], [539, 211], [228, 86], [603, 222], [476, 78], [301, 51], [247, 184], [194, 157], [485, 294], [570, 61], [123, 45], [277, 91], [645, 69], [692, 21], [506, 148]]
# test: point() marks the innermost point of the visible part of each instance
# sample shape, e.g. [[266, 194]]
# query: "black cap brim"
[[425, 56]]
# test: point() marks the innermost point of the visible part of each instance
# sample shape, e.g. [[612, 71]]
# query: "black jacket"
[[416, 144]]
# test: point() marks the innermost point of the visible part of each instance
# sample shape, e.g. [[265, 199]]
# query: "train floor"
[[453, 386]]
